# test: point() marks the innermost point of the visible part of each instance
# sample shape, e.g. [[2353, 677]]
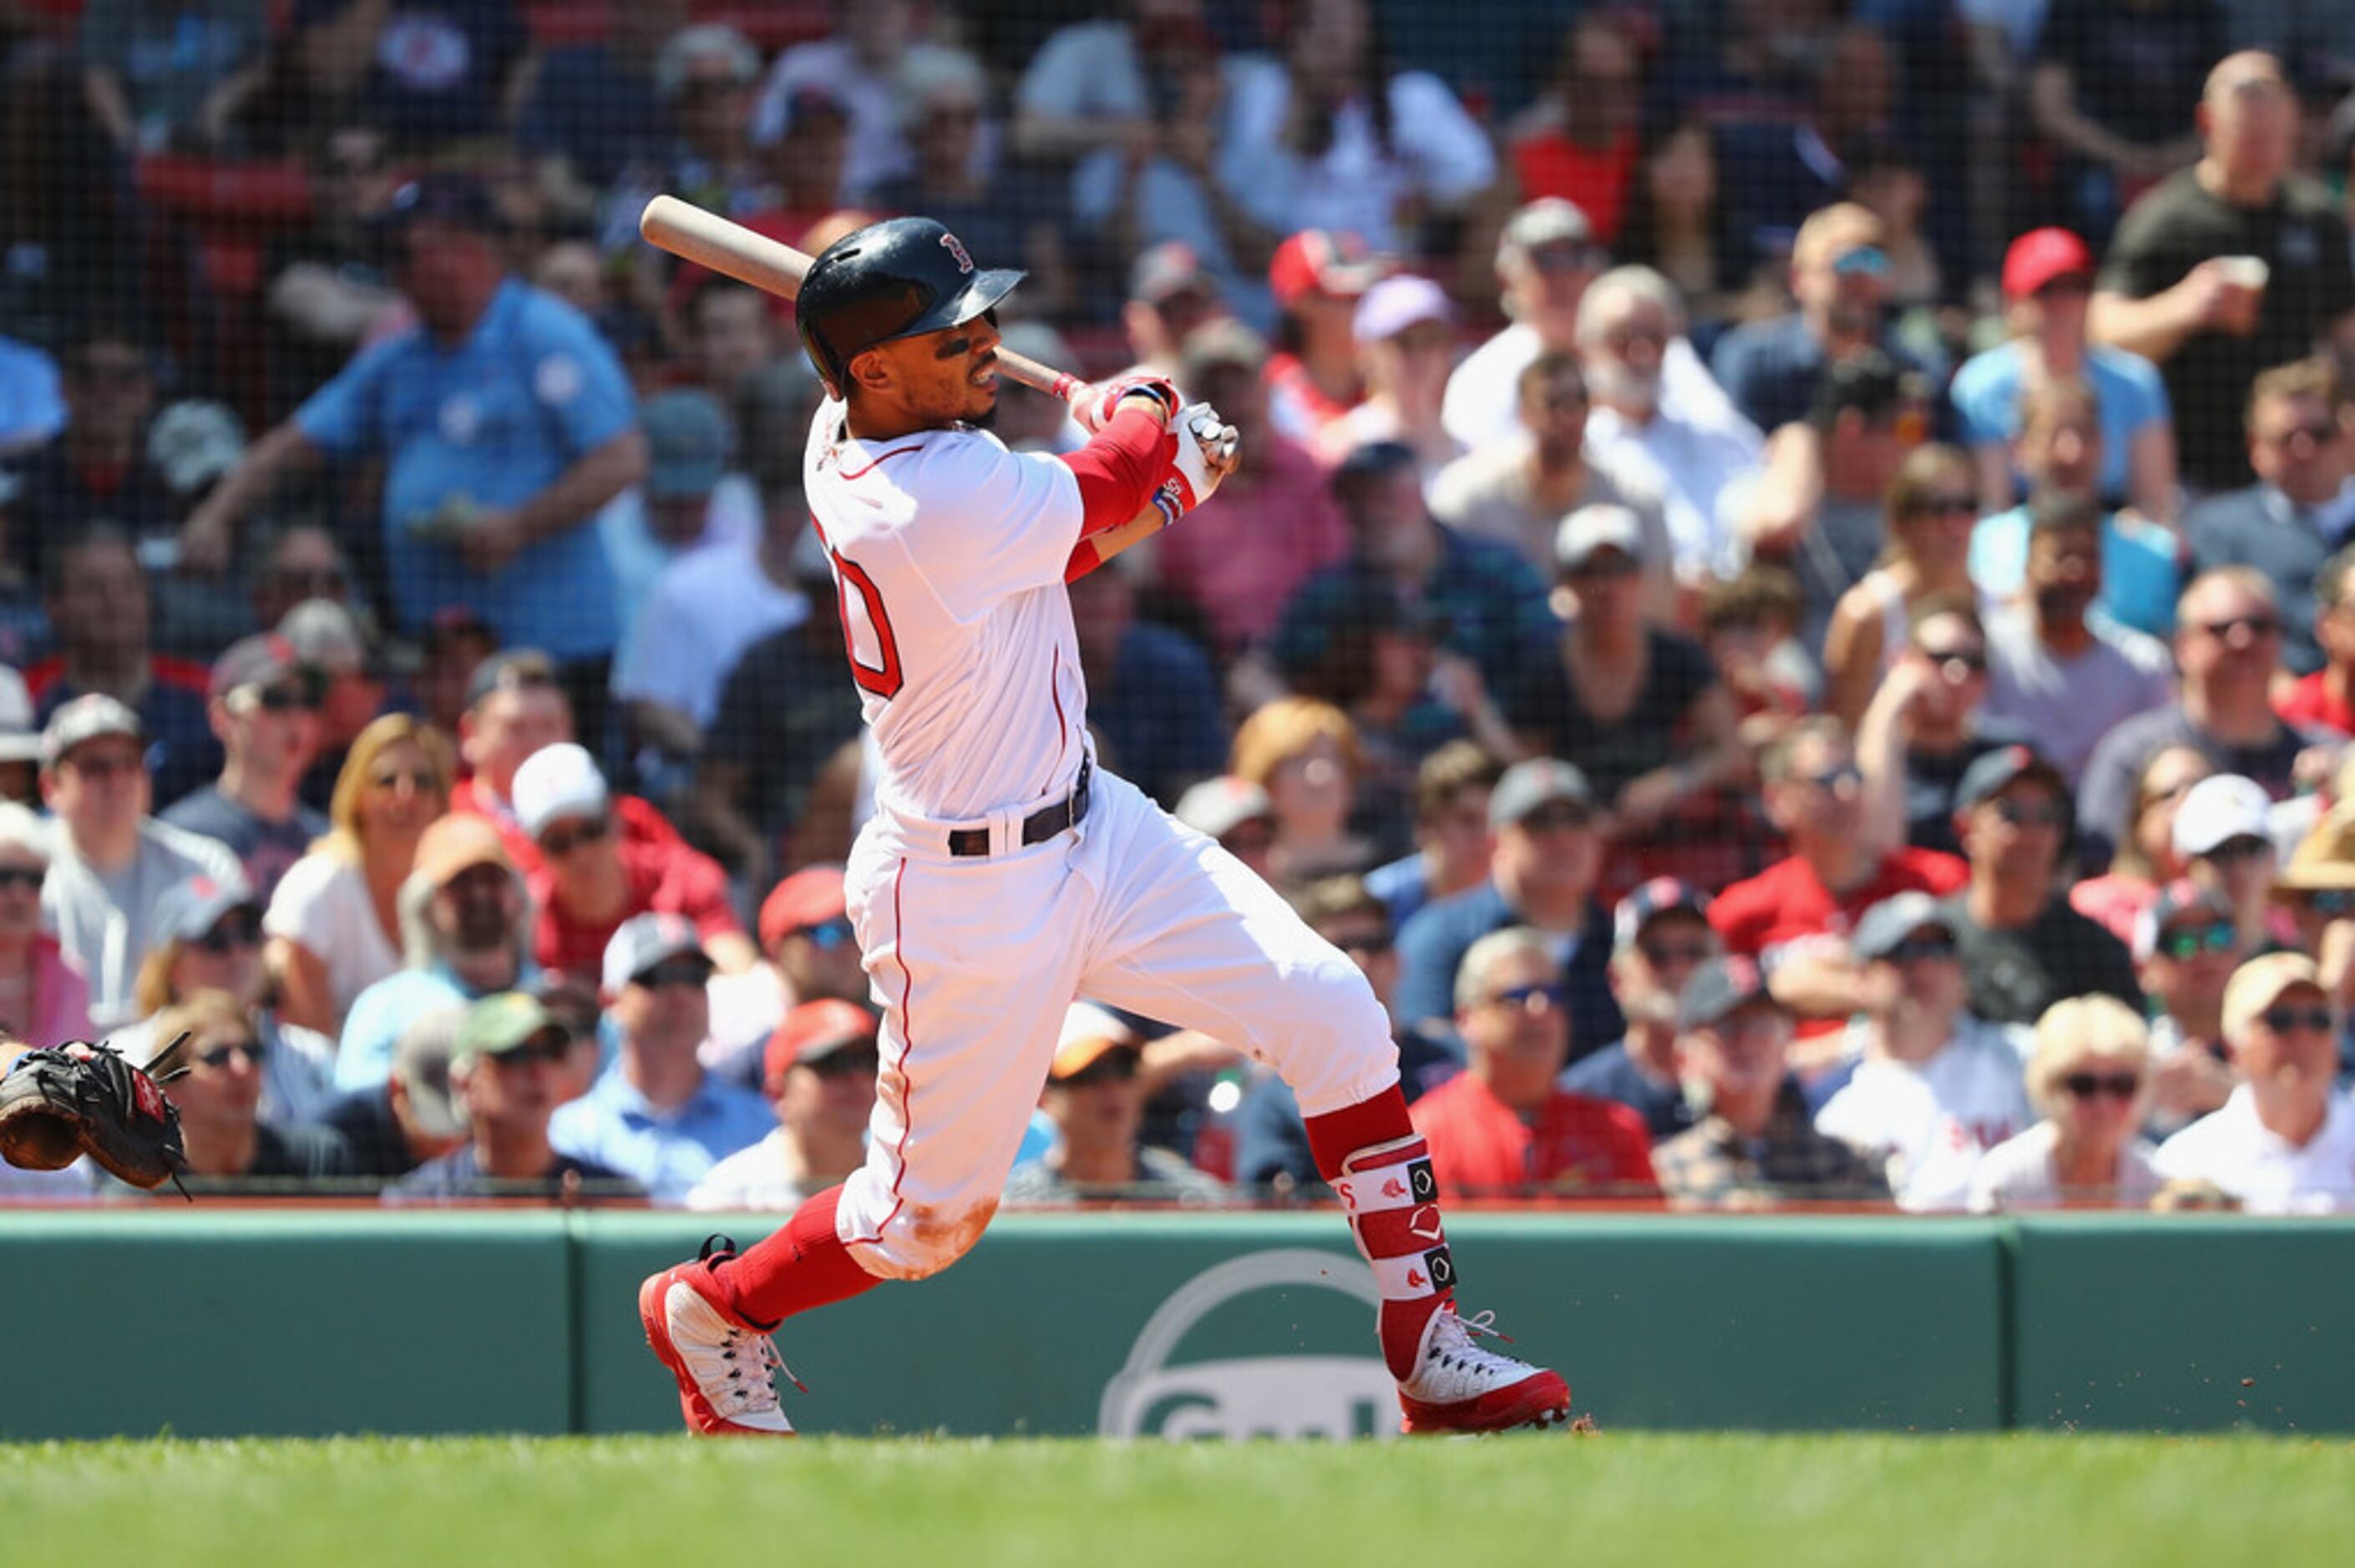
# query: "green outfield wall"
[[1184, 1326]]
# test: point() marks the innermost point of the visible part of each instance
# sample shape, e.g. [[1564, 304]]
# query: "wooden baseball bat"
[[728, 247]]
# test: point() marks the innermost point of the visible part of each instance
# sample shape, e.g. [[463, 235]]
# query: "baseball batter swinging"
[[1003, 873]]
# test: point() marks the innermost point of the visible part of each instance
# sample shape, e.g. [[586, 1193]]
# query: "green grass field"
[[1678, 1500]]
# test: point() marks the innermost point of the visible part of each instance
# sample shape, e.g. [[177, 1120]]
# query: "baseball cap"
[[1720, 988], [1217, 807], [2181, 896], [558, 781], [193, 442], [809, 897], [2041, 255], [2324, 858], [1540, 781], [1373, 459], [328, 634], [1399, 302], [1546, 221], [512, 670], [19, 741], [1170, 267], [2221, 807], [1598, 527], [499, 1023], [255, 660], [1649, 901], [187, 910], [87, 717], [1089, 1034], [1880, 930], [421, 1060], [646, 941], [688, 443], [815, 1031], [1994, 773], [2258, 984], [458, 842], [1324, 261]]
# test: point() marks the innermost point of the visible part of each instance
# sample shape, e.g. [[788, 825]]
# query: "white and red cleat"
[[1461, 1385], [727, 1369]]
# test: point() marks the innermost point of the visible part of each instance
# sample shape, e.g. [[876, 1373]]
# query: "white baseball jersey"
[[949, 554], [959, 628], [1930, 1122]]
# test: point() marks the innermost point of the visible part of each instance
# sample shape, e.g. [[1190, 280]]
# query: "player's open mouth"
[[986, 376]]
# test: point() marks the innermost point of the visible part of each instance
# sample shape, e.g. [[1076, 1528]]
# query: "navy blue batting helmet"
[[889, 279]]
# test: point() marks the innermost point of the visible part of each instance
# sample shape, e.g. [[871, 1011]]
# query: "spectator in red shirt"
[[1504, 1126], [591, 879], [515, 707], [1318, 278], [1814, 794], [1579, 140], [2326, 699]]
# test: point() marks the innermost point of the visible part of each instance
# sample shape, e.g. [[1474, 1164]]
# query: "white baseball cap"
[[1597, 527], [2220, 808], [20, 740], [1398, 303], [555, 782]]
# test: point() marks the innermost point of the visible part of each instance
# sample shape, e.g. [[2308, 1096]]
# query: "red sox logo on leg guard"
[[956, 248]]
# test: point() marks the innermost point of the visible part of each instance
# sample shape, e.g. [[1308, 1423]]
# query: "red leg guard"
[[801, 1266], [1381, 1172]]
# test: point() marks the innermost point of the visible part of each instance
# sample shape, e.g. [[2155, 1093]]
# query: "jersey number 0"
[[865, 628]]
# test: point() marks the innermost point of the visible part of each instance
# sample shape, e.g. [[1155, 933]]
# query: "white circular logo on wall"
[[1332, 1396]]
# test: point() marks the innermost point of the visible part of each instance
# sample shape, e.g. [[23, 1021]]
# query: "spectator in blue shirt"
[[1548, 847], [32, 397], [655, 1115], [1453, 843], [1660, 935], [504, 423]]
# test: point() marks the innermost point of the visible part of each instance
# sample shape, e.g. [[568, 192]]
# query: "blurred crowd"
[[1787, 597]]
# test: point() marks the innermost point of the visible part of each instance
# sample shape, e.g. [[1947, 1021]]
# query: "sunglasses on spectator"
[[218, 1056], [550, 1046], [1566, 258], [827, 937], [25, 877], [1864, 261], [286, 697], [1364, 944], [1661, 955], [683, 972], [2282, 1020], [2257, 625], [1112, 1067], [1917, 949], [845, 1064], [1835, 778], [1956, 662], [2240, 846], [2330, 903], [2191, 941], [1530, 998], [237, 928], [2321, 433], [561, 841], [2032, 814], [2117, 1085], [1947, 503], [1560, 815], [107, 764]]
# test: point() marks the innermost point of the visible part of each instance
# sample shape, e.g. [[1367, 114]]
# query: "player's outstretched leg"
[[1449, 1380], [700, 1320]]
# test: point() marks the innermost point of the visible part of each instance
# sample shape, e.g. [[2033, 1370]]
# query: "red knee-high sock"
[[1381, 1172], [803, 1265]]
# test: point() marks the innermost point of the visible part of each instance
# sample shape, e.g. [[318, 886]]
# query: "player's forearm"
[[250, 482], [1120, 468], [598, 477], [1094, 551]]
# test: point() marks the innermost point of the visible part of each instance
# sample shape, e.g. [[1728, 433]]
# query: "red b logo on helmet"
[[956, 248]]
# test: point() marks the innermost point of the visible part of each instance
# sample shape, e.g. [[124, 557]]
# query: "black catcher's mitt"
[[63, 1101]]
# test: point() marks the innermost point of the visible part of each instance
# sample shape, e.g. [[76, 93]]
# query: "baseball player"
[[1003, 873]]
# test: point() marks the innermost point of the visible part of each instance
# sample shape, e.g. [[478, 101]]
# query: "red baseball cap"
[[815, 1030], [1323, 260], [2041, 255], [810, 897]]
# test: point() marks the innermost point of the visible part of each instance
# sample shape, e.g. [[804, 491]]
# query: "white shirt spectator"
[[1692, 467], [2232, 1148], [1483, 395], [1438, 153], [753, 1178], [2067, 706], [703, 612], [105, 920], [1932, 1122], [2017, 1174], [323, 903], [877, 151]]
